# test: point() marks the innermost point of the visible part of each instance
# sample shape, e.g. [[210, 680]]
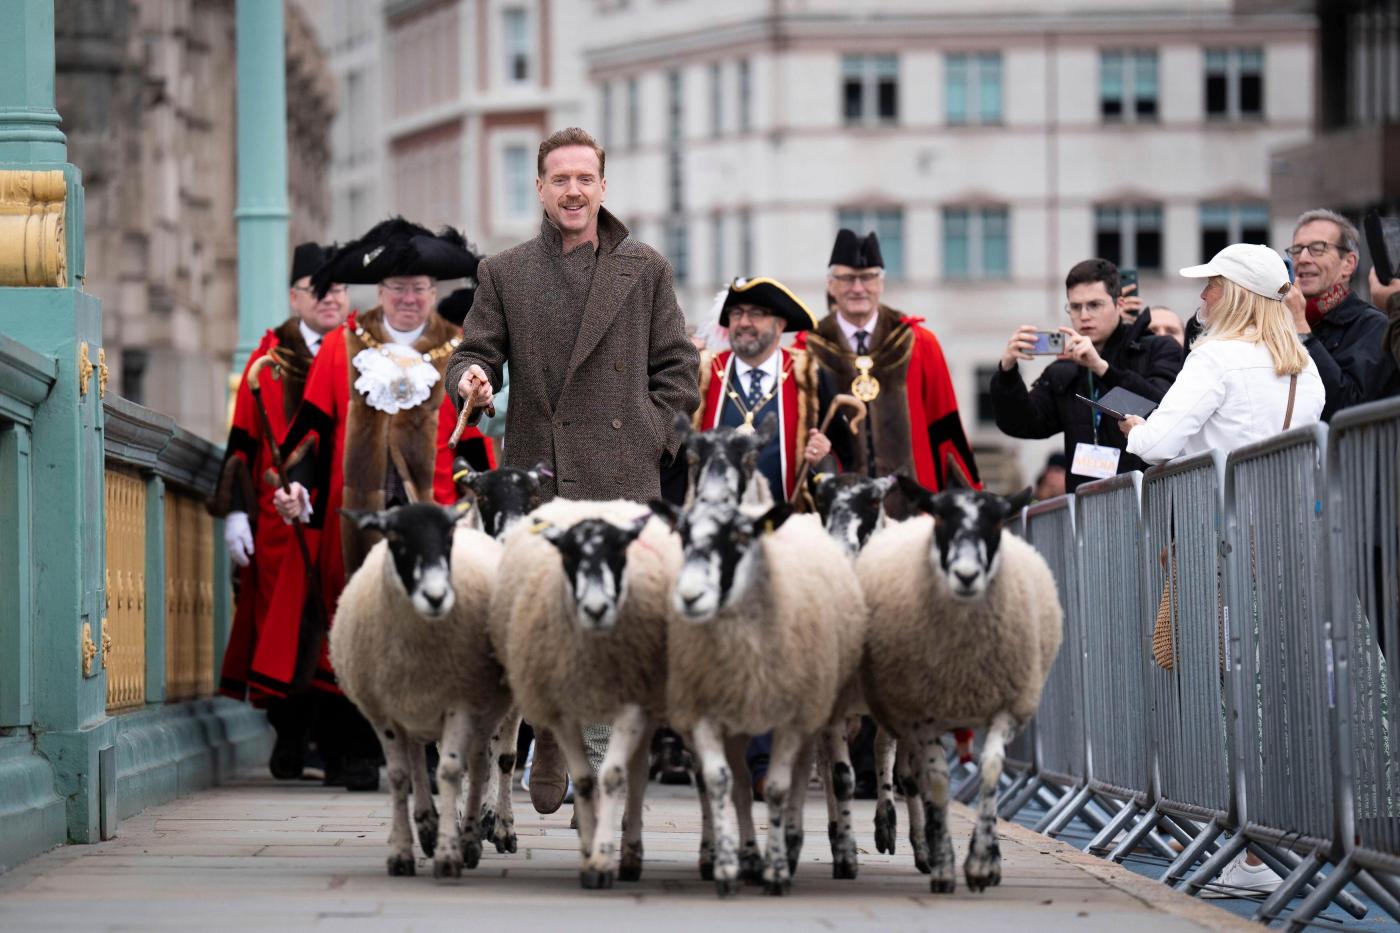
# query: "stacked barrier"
[[1274, 723]]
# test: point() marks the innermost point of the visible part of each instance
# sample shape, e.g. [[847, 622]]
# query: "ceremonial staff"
[[837, 403]]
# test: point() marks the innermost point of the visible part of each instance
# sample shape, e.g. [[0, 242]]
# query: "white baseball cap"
[[1248, 265]]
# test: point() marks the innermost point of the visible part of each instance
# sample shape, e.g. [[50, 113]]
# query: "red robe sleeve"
[[314, 428], [934, 405]]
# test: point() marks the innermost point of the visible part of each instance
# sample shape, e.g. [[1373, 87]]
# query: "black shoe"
[[867, 787], [359, 774], [288, 758]]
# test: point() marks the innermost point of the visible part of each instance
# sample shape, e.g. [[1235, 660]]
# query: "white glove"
[[238, 535], [294, 506]]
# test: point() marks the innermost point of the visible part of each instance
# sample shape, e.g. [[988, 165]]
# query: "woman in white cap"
[[1247, 376]]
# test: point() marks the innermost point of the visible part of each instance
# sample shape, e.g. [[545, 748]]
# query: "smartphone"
[[1383, 240], [1128, 277], [1048, 343]]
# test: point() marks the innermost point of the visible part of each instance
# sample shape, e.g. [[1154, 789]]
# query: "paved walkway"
[[263, 856]]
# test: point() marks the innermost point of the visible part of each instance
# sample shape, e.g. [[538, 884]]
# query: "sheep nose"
[[965, 578], [433, 599], [690, 600], [595, 613]]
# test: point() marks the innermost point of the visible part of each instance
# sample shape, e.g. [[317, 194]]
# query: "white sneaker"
[[1240, 879]]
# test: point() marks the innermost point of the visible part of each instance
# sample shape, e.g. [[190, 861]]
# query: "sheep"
[[409, 646], [723, 464], [580, 613], [964, 637], [765, 636]]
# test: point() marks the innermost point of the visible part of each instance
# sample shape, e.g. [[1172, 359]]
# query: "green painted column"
[[262, 173], [68, 715]]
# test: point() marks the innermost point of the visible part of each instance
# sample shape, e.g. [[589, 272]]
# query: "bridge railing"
[[1266, 716]]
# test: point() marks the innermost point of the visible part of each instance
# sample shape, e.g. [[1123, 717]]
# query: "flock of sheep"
[[728, 618]]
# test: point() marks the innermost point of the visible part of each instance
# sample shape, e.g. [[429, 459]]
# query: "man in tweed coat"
[[600, 364]]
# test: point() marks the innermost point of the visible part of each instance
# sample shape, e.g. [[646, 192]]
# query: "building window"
[[717, 250], [1128, 85], [976, 243], [888, 224], [716, 101], [518, 187], [1223, 223], [677, 249], [972, 88], [1234, 83], [870, 88], [986, 409], [634, 113], [515, 29], [605, 113], [745, 93], [675, 104], [1129, 235], [746, 260]]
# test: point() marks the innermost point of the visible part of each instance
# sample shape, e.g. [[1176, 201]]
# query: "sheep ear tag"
[[540, 526], [464, 506]]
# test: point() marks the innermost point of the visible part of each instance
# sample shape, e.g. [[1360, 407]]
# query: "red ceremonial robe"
[[796, 409], [352, 474], [246, 484]]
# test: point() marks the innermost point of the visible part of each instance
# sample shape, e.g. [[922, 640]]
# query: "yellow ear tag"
[[464, 505], [539, 526], [459, 475], [768, 527], [819, 477]]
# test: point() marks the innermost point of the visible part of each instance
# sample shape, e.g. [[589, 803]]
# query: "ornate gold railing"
[[189, 598], [124, 644]]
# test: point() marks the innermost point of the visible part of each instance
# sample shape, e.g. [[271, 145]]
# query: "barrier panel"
[[123, 630], [189, 602]]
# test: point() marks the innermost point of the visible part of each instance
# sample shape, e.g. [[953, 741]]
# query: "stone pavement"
[[259, 855]]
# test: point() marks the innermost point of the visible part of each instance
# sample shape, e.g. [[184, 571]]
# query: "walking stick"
[[462, 418], [308, 644], [837, 403]]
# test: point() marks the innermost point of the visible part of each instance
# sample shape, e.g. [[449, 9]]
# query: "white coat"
[[1226, 396]]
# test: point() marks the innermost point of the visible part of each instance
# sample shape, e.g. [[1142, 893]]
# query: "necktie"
[[861, 346], [755, 388]]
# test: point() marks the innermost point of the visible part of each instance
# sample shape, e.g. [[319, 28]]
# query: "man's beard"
[[757, 345]]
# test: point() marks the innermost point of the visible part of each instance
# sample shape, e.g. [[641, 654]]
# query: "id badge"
[[1095, 460]]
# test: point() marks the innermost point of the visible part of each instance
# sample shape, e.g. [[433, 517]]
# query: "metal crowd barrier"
[[1183, 569]]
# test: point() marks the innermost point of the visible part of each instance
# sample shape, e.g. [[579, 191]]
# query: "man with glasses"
[[257, 540], [1101, 352], [895, 365], [1342, 332], [371, 433]]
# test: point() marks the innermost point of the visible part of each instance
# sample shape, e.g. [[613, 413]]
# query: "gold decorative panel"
[[189, 598], [32, 249], [125, 659]]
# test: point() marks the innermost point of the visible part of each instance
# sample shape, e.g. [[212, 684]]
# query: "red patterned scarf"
[[1320, 305]]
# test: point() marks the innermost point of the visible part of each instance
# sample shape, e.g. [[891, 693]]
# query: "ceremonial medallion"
[[865, 386], [747, 426]]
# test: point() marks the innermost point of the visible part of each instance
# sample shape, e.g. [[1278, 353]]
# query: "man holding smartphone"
[[1101, 351]]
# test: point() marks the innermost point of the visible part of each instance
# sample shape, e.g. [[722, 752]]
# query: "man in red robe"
[[257, 539], [741, 386], [895, 365], [372, 432]]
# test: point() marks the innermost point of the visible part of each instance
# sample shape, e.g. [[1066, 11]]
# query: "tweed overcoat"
[[629, 370]]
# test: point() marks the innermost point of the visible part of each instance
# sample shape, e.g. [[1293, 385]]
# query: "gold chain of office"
[[431, 356]]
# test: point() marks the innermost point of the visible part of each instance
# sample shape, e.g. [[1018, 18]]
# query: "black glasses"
[[1315, 248]]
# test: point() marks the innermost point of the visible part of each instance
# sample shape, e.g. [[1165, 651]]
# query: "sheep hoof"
[[793, 842], [726, 887], [486, 824], [445, 866], [471, 853], [707, 870], [427, 824], [921, 863], [506, 843], [885, 826], [777, 888], [592, 879], [843, 868], [631, 867], [401, 866], [941, 885], [751, 867]]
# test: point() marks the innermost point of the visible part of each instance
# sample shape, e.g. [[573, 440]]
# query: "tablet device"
[[1119, 403]]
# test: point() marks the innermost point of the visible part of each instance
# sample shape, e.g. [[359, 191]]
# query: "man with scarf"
[[1342, 332], [257, 540], [741, 386], [371, 433], [890, 361]]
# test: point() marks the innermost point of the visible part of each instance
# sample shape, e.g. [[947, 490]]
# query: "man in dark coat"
[[1101, 352], [600, 365], [1343, 333]]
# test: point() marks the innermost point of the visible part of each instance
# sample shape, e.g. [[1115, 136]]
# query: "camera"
[[1383, 240], [1048, 343]]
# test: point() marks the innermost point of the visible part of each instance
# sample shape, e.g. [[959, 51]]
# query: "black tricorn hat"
[[397, 247], [306, 259], [455, 306], [770, 294], [851, 250]]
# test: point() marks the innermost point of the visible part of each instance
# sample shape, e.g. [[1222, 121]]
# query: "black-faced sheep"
[[411, 650], [581, 612], [766, 634], [965, 622]]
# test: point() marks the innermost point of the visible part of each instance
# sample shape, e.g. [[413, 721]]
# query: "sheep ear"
[[1018, 501], [540, 469], [918, 497], [666, 511], [773, 519], [554, 534], [366, 520], [463, 512], [767, 430], [633, 530], [884, 484]]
